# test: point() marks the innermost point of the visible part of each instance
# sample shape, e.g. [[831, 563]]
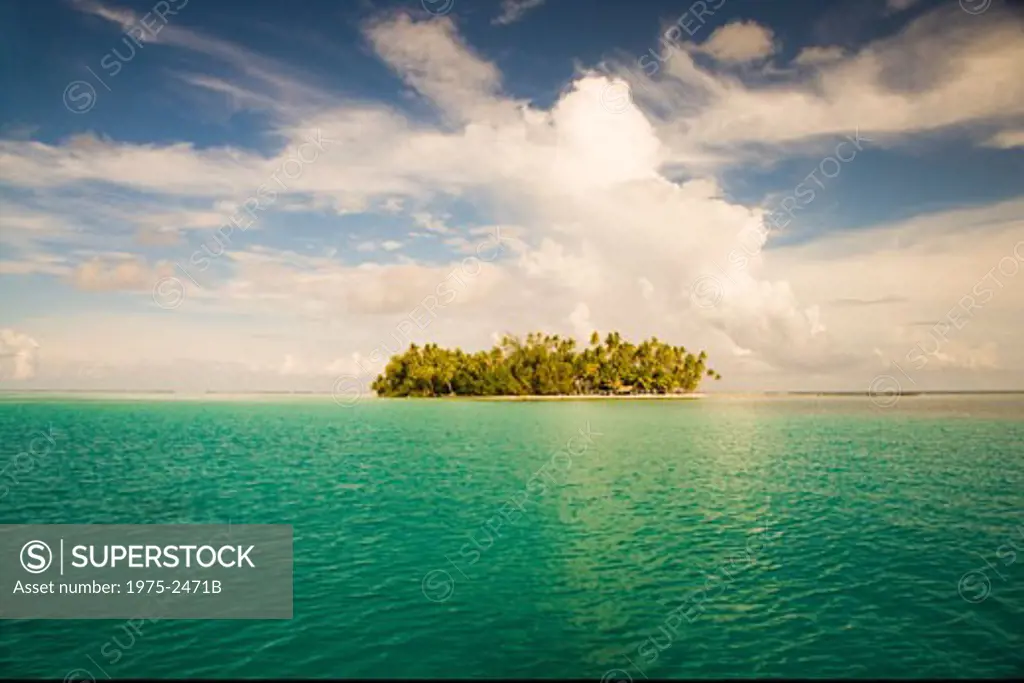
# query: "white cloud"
[[963, 263], [118, 272], [290, 89], [36, 262], [646, 288], [35, 222], [580, 321], [290, 366], [1007, 139], [178, 168], [939, 72], [739, 42], [278, 282], [386, 245], [514, 10], [393, 205], [431, 223], [955, 355], [17, 355], [812, 56], [432, 58]]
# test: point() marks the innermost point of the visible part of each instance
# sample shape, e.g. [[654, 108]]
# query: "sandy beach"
[[589, 397]]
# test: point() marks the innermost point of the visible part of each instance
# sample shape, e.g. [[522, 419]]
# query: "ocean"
[[724, 537]]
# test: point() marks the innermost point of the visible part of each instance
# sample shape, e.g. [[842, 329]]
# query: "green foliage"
[[545, 365]]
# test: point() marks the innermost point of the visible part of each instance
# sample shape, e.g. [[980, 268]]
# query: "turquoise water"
[[702, 539]]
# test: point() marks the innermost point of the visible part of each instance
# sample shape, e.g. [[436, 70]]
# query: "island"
[[546, 365]]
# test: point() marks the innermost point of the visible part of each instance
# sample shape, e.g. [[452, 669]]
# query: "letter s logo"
[[39, 557]]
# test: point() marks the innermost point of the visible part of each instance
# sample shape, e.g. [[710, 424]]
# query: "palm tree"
[[544, 364]]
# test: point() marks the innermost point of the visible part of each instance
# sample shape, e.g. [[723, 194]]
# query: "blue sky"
[[625, 167]]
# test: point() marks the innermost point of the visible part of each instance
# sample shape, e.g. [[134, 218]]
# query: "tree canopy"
[[545, 365]]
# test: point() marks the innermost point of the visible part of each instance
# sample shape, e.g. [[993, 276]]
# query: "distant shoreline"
[[115, 395], [224, 396], [275, 392]]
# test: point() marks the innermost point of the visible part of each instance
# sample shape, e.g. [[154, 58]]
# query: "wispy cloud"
[[514, 10], [287, 88]]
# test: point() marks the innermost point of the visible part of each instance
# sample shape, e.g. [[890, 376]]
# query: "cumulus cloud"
[[17, 355], [739, 42]]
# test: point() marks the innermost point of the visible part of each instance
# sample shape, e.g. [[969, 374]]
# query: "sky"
[[251, 196]]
